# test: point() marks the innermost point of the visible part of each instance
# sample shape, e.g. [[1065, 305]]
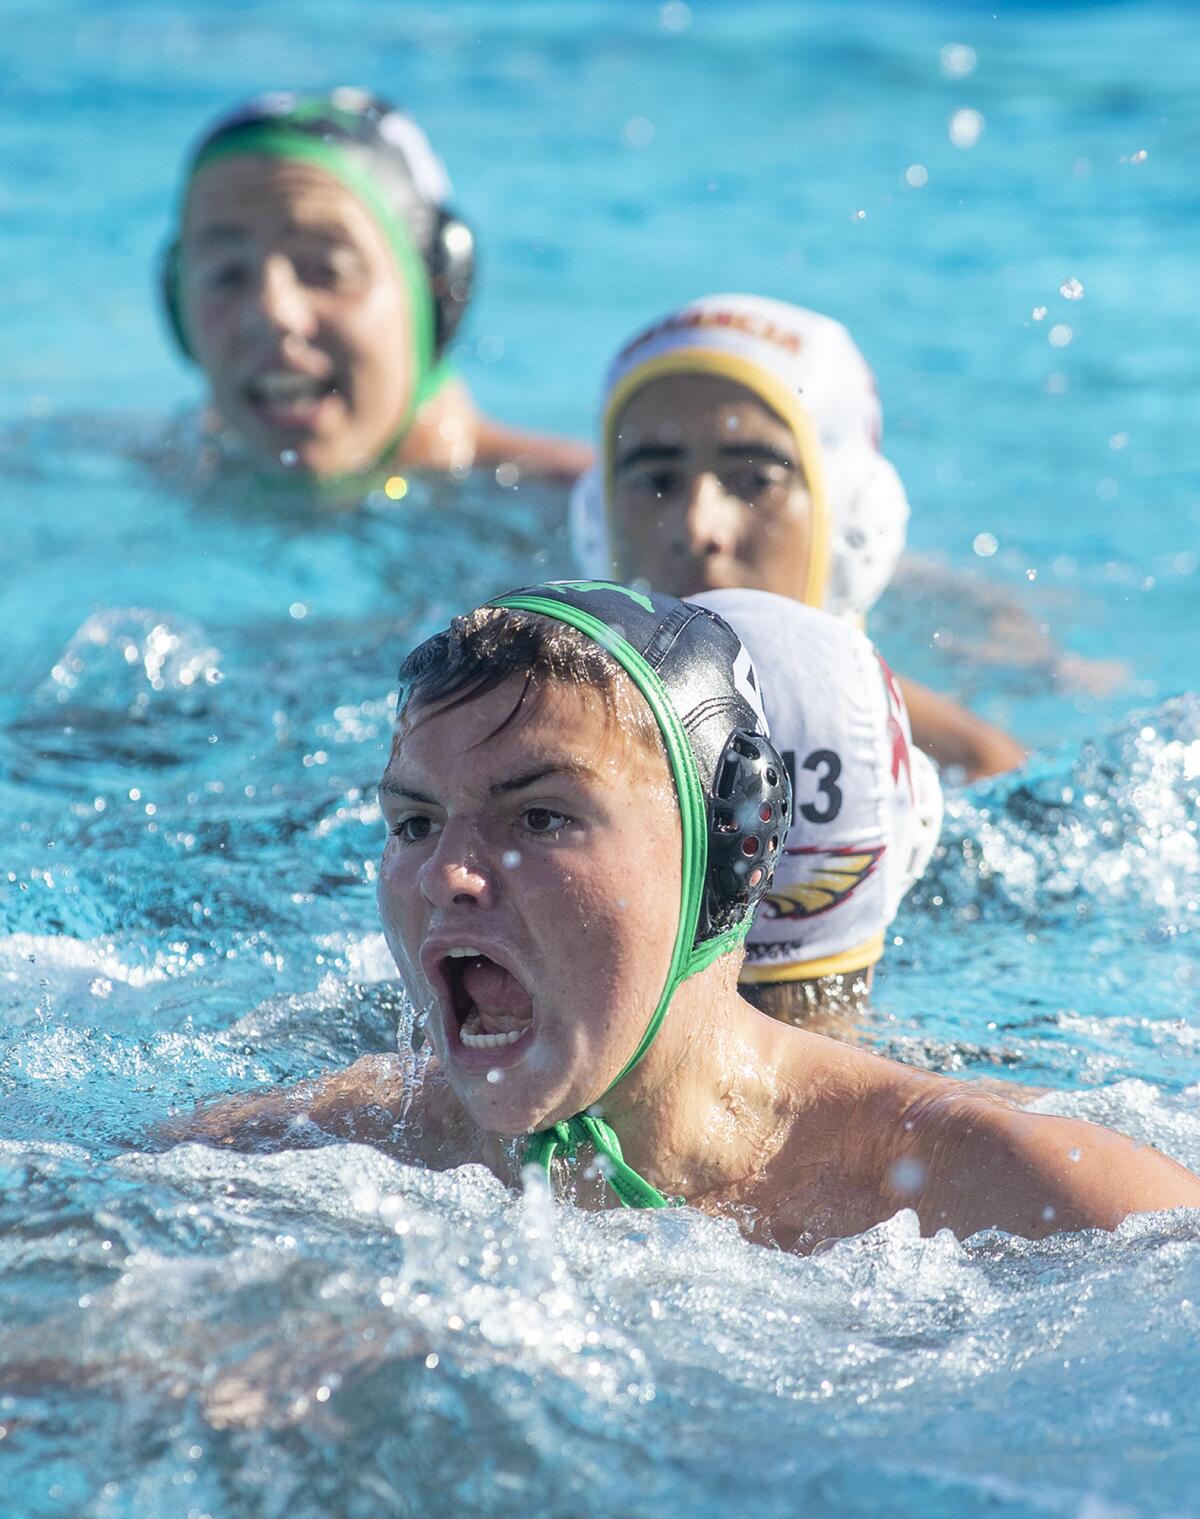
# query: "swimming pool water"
[[194, 708]]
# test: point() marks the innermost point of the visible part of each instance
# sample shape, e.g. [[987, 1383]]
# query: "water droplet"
[[917, 175], [1038, 313], [1074, 1154], [297, 610], [958, 60], [396, 488], [639, 132], [1071, 290], [908, 1175], [1048, 1214], [510, 859], [1060, 335], [985, 544], [507, 474], [289, 458], [966, 127], [859, 216], [676, 17], [495, 1076], [432, 1361]]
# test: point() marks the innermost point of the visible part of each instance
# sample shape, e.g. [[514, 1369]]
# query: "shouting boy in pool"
[[583, 811], [318, 277]]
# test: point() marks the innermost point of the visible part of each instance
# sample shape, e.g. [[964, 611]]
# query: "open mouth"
[[492, 1010], [287, 397]]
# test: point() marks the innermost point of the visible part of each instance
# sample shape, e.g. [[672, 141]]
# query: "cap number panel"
[[827, 767]]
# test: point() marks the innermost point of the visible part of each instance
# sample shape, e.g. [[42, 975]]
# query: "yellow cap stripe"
[[778, 396], [772, 972]]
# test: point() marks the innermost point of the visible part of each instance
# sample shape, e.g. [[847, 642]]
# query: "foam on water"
[[448, 1344]]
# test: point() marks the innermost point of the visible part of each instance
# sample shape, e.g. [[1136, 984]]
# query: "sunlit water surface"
[[194, 704]]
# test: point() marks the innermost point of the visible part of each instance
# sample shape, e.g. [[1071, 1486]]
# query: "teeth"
[[489, 1041], [282, 386], [463, 954]]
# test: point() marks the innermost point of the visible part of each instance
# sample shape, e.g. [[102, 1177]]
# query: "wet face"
[[708, 490], [529, 892], [297, 312]]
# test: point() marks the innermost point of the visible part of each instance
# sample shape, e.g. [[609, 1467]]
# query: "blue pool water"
[[194, 707]]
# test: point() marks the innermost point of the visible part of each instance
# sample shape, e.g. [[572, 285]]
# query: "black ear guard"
[[749, 816], [451, 265], [450, 262]]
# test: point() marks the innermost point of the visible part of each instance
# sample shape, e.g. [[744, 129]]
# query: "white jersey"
[[808, 368], [867, 805]]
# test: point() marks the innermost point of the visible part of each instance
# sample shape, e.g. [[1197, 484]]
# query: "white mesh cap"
[[817, 362]]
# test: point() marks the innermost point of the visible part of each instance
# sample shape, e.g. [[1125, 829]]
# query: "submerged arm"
[[365, 1103]]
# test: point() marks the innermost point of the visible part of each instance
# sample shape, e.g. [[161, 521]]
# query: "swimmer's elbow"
[[993, 752], [535, 454], [957, 738]]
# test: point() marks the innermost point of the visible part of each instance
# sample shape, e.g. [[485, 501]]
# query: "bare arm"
[[365, 1103], [1032, 1174], [954, 736], [531, 453], [450, 433]]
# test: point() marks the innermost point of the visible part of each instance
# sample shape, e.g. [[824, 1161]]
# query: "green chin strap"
[[272, 140], [687, 957]]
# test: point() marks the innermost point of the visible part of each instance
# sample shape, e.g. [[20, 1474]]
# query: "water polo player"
[[867, 809], [318, 277], [739, 446], [583, 811]]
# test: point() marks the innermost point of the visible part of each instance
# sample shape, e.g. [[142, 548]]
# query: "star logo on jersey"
[[826, 877]]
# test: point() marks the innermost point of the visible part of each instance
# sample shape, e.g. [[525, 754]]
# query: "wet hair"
[[481, 651], [811, 999]]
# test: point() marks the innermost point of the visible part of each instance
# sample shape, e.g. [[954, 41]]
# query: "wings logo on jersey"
[[832, 876]]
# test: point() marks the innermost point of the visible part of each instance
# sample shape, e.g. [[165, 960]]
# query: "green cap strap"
[[633, 1190], [687, 957]]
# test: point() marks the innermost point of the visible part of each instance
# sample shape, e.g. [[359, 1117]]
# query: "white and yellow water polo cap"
[[809, 370], [867, 805]]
